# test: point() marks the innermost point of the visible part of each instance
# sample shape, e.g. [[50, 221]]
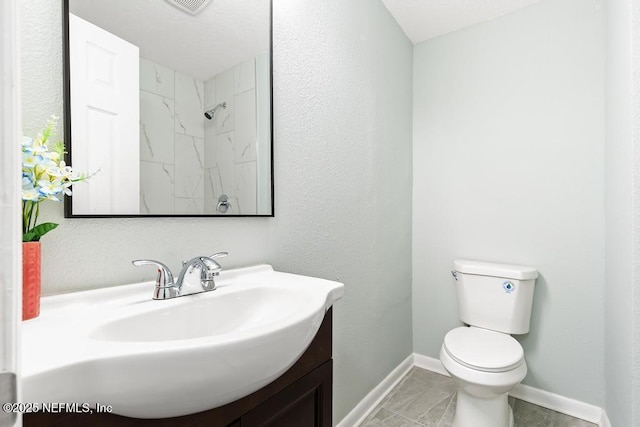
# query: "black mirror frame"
[[68, 208]]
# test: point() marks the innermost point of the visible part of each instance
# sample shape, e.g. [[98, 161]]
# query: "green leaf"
[[29, 237], [38, 231]]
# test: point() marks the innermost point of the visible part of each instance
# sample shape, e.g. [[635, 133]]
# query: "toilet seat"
[[483, 350]]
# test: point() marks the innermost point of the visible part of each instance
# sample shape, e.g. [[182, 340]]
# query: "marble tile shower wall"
[[230, 139], [187, 162], [171, 141]]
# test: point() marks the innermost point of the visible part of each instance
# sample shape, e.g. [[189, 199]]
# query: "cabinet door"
[[305, 403]]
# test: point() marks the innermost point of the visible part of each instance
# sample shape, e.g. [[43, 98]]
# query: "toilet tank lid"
[[508, 271]]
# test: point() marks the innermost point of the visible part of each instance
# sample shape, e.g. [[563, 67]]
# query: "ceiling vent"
[[191, 6]]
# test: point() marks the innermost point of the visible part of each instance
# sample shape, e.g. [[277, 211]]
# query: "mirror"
[[169, 109]]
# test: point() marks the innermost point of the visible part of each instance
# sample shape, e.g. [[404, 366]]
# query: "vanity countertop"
[[159, 358]]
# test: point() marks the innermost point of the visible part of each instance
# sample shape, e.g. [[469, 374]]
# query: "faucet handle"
[[202, 258], [212, 265], [212, 269], [164, 278], [219, 255]]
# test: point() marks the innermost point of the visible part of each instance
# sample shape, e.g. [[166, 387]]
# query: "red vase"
[[30, 280]]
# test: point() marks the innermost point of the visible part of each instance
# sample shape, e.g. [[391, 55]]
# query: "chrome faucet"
[[167, 287]]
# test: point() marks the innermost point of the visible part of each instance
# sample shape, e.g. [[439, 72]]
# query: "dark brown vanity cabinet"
[[307, 402], [301, 397]]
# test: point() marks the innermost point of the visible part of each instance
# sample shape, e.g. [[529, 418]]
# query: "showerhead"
[[212, 112]]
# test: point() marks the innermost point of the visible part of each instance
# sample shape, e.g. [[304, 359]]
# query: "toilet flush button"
[[508, 286]]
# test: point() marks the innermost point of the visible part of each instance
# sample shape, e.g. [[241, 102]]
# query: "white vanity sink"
[[154, 359]]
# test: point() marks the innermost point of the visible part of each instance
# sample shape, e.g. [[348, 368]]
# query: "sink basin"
[[232, 312], [157, 359]]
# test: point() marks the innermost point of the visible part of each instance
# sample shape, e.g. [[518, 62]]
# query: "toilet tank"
[[495, 296]]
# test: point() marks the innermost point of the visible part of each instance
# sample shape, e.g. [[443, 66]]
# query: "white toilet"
[[486, 362]]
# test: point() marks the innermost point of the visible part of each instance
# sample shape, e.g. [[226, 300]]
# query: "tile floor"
[[424, 398]]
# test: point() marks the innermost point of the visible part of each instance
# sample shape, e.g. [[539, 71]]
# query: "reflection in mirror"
[[171, 107]]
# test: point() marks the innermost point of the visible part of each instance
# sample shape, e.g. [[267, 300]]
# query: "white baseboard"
[[565, 405], [430, 364], [375, 396], [555, 402]]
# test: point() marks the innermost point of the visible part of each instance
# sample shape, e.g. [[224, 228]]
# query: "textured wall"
[[619, 205], [635, 286], [344, 183], [10, 218], [342, 95], [508, 166]]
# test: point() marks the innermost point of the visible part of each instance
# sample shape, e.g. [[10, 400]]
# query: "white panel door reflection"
[[104, 89]]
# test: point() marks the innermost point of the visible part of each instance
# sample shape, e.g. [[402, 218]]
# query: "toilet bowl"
[[485, 365], [486, 362]]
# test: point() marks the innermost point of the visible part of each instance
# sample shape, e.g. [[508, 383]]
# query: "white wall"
[[10, 218], [635, 123], [508, 166], [622, 166], [342, 95], [619, 253]]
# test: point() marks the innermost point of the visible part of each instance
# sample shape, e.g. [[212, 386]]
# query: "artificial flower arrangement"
[[45, 176]]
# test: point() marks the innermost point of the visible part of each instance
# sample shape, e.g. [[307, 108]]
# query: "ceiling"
[[425, 19], [228, 32], [224, 34]]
